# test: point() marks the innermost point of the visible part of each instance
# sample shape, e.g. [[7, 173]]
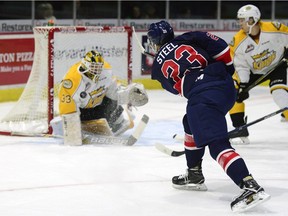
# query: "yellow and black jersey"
[[78, 91], [261, 55]]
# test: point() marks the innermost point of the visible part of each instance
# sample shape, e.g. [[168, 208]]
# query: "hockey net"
[[56, 50]]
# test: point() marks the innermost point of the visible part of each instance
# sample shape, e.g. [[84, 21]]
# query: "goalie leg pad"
[[97, 126], [57, 126], [72, 129]]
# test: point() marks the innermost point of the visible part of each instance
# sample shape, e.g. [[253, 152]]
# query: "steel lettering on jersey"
[[165, 51], [212, 36]]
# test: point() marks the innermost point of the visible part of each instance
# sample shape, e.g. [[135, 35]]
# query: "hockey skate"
[[252, 195], [193, 179], [240, 136]]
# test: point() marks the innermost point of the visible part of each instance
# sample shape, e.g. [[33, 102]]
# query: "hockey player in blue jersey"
[[198, 66]]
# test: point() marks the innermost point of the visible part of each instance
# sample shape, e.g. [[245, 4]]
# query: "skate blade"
[[257, 199], [240, 141], [191, 187]]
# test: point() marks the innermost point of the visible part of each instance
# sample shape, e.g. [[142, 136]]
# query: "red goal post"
[[57, 48]]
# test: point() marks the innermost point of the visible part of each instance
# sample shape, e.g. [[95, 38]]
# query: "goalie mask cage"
[[56, 50]]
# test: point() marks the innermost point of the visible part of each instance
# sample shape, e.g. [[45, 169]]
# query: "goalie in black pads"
[[198, 66], [257, 50], [90, 101]]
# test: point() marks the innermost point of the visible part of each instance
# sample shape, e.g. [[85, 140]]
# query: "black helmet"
[[159, 33]]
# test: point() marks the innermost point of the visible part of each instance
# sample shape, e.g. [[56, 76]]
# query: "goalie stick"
[[174, 153], [99, 139], [128, 141]]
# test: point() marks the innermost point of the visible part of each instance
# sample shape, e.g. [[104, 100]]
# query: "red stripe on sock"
[[226, 157], [189, 141]]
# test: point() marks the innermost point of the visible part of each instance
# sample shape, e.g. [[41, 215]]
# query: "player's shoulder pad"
[[273, 27], [72, 78], [107, 65], [237, 39]]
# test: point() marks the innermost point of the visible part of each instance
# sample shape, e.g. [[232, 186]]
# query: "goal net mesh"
[[56, 50]]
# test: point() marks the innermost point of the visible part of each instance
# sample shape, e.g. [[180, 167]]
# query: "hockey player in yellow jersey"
[[91, 100], [256, 49]]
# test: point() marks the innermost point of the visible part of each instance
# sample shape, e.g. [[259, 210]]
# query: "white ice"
[[42, 177]]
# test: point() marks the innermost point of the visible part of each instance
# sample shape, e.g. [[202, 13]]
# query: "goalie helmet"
[[92, 65], [249, 11], [158, 34]]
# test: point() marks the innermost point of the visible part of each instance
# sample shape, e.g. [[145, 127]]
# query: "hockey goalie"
[[91, 101]]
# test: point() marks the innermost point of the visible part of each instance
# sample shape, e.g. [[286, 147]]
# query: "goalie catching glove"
[[134, 94]]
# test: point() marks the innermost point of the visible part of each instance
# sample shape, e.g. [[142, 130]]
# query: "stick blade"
[[138, 131], [163, 149]]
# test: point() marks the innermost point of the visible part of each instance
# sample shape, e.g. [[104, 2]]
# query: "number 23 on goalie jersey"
[[77, 91], [188, 53]]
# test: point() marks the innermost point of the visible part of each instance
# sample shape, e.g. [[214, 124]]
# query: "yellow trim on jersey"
[[273, 27], [237, 39], [264, 26], [236, 80], [68, 87]]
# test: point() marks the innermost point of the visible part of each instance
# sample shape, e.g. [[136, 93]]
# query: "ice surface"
[[42, 177]]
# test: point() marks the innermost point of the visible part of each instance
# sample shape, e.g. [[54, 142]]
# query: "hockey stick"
[[98, 139], [128, 141], [260, 79], [142, 49], [174, 153]]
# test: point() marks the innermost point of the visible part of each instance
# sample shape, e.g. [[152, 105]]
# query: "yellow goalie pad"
[[101, 126], [97, 126]]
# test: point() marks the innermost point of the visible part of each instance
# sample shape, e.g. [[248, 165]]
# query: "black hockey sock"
[[238, 119]]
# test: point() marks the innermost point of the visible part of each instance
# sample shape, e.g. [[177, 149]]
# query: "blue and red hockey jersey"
[[189, 54]]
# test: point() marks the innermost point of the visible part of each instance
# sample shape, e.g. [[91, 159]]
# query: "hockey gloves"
[[134, 94], [242, 95], [137, 95]]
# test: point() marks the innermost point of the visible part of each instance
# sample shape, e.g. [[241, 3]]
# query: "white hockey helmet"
[[248, 11], [92, 65]]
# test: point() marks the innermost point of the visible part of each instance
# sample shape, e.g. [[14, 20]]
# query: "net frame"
[[50, 34]]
